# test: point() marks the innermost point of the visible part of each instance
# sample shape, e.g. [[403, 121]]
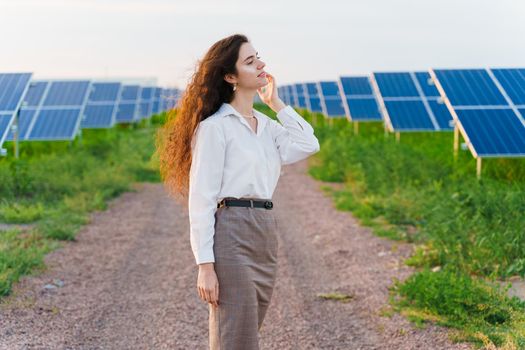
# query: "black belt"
[[253, 203]]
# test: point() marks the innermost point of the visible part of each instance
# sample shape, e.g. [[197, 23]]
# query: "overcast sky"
[[299, 40]]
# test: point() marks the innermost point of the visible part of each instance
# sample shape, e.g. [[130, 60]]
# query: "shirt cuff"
[[204, 256]]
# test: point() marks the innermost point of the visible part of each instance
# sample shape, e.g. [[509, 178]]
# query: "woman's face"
[[250, 69]]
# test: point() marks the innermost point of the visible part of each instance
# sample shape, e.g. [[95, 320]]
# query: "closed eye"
[[254, 61]]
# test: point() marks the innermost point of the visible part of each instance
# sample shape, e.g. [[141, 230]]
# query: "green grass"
[[472, 231], [481, 310], [468, 231], [53, 187]]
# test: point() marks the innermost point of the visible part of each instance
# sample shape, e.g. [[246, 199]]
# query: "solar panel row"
[[486, 105], [57, 109]]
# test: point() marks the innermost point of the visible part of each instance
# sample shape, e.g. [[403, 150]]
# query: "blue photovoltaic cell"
[[24, 122], [104, 92], [13, 86], [473, 87], [164, 100], [155, 109], [146, 93], [427, 85], [412, 102], [334, 108], [360, 99], [289, 97], [101, 107], [128, 110], [55, 124], [356, 86], [146, 102], [442, 114], [484, 103], [329, 89], [57, 117], [144, 109], [35, 93], [311, 89], [363, 109], [330, 97], [169, 99], [401, 115], [396, 85], [493, 131], [289, 93], [513, 82], [130, 92], [299, 92], [98, 116], [313, 102], [5, 122], [66, 93]]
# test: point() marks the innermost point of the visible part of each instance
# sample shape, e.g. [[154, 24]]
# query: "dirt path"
[[130, 282]]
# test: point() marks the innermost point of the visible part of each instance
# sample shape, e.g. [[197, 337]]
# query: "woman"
[[229, 156]]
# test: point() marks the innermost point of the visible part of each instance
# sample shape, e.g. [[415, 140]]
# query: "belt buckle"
[[268, 204]]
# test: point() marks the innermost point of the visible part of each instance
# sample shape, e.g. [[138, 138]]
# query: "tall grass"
[[53, 187]]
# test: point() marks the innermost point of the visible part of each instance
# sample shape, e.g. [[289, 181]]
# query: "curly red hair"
[[203, 96]]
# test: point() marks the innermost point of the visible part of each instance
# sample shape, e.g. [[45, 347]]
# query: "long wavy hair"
[[203, 96]]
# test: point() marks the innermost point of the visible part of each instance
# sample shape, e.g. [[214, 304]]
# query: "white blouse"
[[230, 160]]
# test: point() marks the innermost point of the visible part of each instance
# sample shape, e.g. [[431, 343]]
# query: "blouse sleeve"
[[207, 163], [295, 138]]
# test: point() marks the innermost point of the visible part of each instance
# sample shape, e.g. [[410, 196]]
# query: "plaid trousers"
[[245, 248]]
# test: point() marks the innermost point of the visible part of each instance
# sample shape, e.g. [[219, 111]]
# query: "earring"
[[234, 86]]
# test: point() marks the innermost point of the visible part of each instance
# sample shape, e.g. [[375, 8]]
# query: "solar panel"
[[128, 110], [13, 86], [512, 81], [299, 93], [101, 108], [52, 110], [291, 96], [487, 106], [410, 102], [31, 102], [331, 102], [359, 100], [171, 97], [146, 102], [313, 102], [156, 106]]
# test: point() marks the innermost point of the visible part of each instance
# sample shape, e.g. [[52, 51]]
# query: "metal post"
[[478, 167], [16, 134], [456, 141]]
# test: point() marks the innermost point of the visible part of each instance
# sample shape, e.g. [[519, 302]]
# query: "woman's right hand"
[[208, 284]]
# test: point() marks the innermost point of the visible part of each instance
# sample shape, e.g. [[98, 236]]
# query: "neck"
[[243, 101]]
